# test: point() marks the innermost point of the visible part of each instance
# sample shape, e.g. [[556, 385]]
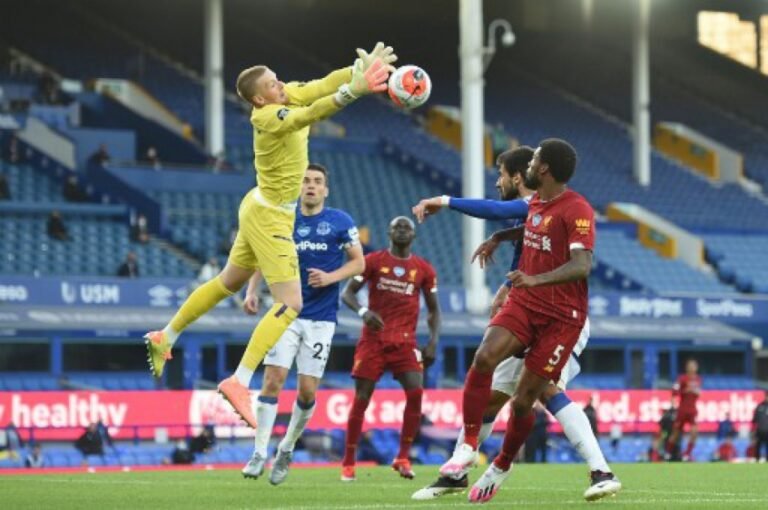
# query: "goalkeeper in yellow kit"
[[281, 116]]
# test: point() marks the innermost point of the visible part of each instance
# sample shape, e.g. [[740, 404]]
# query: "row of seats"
[[652, 271], [740, 259], [97, 244]]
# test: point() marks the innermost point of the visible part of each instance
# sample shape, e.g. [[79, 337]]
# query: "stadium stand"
[[740, 259], [110, 56], [677, 95], [648, 269], [99, 234]]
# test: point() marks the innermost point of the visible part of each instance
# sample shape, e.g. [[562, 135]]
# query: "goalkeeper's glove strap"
[[344, 95]]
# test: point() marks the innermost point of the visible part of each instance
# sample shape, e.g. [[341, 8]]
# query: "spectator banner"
[[63, 415]]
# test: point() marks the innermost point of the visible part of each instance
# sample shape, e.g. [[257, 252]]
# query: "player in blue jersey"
[[513, 206], [323, 237]]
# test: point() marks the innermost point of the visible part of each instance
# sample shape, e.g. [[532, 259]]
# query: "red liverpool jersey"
[[688, 388], [394, 285], [552, 230]]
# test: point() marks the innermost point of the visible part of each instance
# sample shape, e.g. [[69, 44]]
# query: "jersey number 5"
[[555, 359]]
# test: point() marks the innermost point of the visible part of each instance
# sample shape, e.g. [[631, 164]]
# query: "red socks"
[[477, 393], [354, 428], [689, 448], [411, 421], [516, 434]]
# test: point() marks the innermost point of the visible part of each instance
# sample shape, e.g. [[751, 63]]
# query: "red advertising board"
[[62, 414]]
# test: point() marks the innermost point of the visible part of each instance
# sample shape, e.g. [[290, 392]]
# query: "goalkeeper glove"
[[363, 82], [384, 53]]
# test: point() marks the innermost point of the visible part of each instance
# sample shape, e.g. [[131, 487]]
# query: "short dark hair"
[[516, 160], [560, 156], [246, 82], [319, 168]]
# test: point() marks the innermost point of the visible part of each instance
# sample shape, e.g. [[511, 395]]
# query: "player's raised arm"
[[281, 119], [478, 208], [305, 93]]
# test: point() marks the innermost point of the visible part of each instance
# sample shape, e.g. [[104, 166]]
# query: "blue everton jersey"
[[518, 245], [321, 241]]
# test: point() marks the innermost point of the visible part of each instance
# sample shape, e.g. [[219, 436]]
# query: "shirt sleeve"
[[580, 226], [429, 282], [306, 93], [490, 209], [370, 269], [281, 119], [348, 235]]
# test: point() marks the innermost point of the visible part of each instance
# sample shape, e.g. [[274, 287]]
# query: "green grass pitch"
[[651, 486]]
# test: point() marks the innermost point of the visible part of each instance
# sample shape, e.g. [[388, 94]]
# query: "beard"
[[509, 194], [531, 181]]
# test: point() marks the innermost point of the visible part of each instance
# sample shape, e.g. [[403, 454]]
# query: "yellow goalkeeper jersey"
[[281, 133]]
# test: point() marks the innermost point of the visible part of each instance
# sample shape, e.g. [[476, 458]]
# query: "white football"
[[409, 86]]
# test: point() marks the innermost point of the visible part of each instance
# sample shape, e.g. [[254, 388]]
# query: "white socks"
[[171, 334], [244, 375], [266, 412], [300, 416], [485, 431], [579, 433]]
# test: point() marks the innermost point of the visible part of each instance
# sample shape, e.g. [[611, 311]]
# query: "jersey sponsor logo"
[[399, 271], [536, 220], [582, 226], [324, 228], [395, 286], [282, 113], [354, 235], [304, 230], [537, 241], [310, 246]]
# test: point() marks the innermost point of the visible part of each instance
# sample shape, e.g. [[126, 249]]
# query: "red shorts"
[[549, 341], [685, 416], [372, 358]]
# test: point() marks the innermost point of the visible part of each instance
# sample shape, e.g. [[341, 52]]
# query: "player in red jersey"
[[395, 279], [542, 317], [688, 388]]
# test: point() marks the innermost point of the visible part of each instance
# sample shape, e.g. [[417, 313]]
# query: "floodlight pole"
[[471, 54], [641, 96], [214, 72]]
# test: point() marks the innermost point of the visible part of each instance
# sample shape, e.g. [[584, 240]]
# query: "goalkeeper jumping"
[[281, 116]]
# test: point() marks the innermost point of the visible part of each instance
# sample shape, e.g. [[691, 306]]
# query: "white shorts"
[[507, 373], [306, 341]]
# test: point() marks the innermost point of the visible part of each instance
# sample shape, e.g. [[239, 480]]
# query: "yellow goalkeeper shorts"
[[265, 239]]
